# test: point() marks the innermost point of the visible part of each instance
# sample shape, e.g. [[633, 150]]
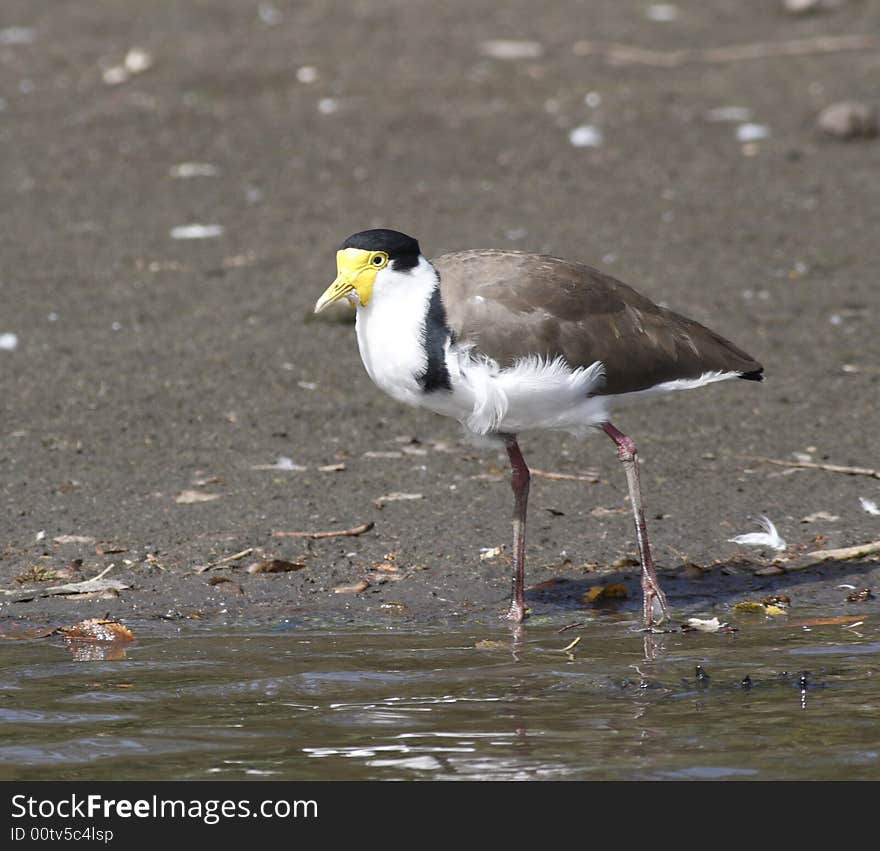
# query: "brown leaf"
[[98, 629], [354, 588], [860, 596], [275, 565], [109, 549]]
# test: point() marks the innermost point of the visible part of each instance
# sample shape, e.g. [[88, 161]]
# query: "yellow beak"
[[355, 271]]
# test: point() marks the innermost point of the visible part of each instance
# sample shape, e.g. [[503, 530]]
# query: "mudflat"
[[176, 180]]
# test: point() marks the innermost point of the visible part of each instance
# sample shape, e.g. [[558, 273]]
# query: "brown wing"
[[510, 304]]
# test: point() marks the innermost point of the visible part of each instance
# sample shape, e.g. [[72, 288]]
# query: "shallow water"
[[461, 701]]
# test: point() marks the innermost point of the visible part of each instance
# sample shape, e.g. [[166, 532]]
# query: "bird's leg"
[[651, 590], [519, 481]]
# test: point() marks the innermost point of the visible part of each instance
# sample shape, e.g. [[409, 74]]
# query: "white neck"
[[390, 329]]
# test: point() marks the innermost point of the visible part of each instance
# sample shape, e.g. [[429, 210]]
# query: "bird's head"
[[363, 259]]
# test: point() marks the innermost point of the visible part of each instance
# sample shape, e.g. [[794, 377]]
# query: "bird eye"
[[379, 260]]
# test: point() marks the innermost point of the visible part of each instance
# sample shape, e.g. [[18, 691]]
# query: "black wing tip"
[[754, 375]]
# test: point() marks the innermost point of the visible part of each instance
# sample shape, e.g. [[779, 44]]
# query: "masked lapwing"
[[507, 342]]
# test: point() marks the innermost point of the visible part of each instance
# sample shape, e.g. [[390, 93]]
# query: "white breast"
[[389, 331]]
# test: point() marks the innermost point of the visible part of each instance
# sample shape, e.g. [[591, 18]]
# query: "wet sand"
[[153, 381]]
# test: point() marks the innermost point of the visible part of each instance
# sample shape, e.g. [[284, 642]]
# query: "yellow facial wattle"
[[356, 270]]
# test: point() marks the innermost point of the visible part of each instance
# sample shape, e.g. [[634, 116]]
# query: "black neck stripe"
[[434, 336]]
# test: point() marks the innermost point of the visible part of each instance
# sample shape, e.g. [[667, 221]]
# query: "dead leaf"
[[109, 549], [98, 629], [332, 468], [396, 496], [275, 565], [218, 580], [489, 643], [187, 497], [614, 591], [860, 596]]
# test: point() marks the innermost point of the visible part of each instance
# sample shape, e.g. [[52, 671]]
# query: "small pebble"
[[585, 136], [848, 120]]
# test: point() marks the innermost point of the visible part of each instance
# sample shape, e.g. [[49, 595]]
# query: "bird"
[[507, 342]]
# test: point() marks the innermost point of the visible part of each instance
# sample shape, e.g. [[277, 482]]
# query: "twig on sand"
[[818, 556], [233, 557], [811, 465], [846, 552], [572, 477], [340, 533], [624, 54]]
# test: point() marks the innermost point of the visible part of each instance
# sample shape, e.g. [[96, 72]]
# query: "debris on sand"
[[707, 625], [187, 497], [396, 496], [586, 136], [226, 560], [275, 565], [354, 588], [183, 171], [8, 342], [758, 608], [848, 120], [136, 61], [282, 462], [196, 231], [818, 516], [869, 505], [98, 629], [354, 531], [768, 538], [511, 49]]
